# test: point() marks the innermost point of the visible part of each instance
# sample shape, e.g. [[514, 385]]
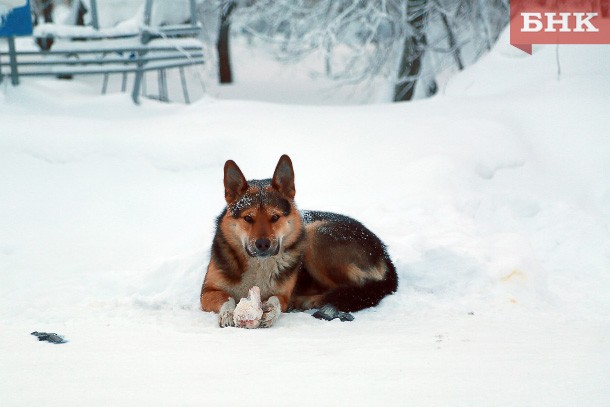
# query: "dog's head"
[[261, 215]]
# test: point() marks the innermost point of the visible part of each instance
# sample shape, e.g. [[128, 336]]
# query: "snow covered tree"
[[414, 15], [406, 41]]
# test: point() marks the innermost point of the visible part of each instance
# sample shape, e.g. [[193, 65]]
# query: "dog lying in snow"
[[295, 260]]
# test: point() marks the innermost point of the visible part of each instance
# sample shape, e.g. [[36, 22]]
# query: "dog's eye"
[[249, 219], [275, 218]]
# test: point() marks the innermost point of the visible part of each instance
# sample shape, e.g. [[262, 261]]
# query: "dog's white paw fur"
[[271, 312], [225, 315]]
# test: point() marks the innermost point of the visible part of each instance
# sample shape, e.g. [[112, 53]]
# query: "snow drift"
[[492, 198]]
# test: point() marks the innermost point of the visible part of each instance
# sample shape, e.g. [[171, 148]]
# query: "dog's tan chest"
[[261, 272]]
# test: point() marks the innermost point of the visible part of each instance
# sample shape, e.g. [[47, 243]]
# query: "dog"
[[299, 260]]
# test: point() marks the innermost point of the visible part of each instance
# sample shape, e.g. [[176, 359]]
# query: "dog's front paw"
[[225, 315], [271, 312]]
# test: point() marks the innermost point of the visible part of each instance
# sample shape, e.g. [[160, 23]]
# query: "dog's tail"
[[355, 298]]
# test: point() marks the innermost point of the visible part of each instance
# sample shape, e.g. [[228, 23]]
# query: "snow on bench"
[[105, 57], [133, 46]]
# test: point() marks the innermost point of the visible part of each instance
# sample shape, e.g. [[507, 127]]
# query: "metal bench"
[[150, 49]]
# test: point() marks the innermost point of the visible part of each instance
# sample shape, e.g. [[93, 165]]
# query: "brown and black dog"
[[299, 260]]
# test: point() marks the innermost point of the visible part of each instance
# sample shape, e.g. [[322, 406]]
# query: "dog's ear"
[[283, 177], [235, 182]]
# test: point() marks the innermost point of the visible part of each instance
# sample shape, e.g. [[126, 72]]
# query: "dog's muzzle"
[[262, 247]]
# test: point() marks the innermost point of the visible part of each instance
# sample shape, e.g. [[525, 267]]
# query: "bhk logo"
[[559, 22], [532, 22]]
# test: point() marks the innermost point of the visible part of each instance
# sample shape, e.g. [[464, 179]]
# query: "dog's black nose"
[[263, 244]]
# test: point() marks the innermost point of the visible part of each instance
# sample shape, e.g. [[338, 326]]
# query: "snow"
[[493, 199], [113, 12], [74, 31], [6, 6], [13, 3]]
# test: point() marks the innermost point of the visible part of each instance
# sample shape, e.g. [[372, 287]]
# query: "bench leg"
[[105, 84], [162, 81], [137, 84], [185, 89], [13, 61], [137, 80]]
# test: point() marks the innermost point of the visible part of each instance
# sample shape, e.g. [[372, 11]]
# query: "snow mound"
[[493, 200]]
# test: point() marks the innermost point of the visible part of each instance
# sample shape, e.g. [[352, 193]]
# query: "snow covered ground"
[[493, 197]]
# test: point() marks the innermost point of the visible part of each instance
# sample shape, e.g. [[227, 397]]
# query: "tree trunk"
[[224, 56], [412, 54], [455, 50]]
